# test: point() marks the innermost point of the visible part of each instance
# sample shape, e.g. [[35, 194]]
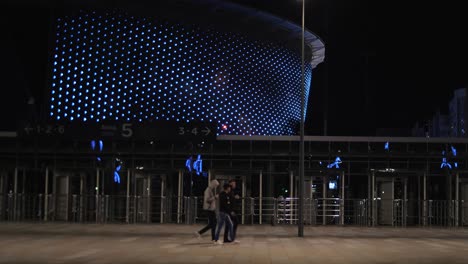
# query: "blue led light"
[[112, 66]]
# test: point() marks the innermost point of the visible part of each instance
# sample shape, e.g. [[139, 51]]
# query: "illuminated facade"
[[113, 66]]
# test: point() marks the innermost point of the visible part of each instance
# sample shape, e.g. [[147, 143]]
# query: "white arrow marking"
[[207, 131]]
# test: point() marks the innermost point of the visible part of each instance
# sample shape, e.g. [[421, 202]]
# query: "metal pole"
[[419, 199], [342, 197], [127, 213], [179, 197], [260, 198], [163, 187], [324, 200], [301, 148], [291, 195], [369, 197], [15, 194], [405, 199], [97, 195], [424, 201], [46, 194], [457, 194], [81, 197], [148, 199], [374, 211], [243, 199]]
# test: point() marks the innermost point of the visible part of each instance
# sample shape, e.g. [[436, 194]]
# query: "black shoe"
[[227, 241]]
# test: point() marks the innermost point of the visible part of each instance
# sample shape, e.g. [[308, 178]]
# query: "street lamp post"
[[301, 145]]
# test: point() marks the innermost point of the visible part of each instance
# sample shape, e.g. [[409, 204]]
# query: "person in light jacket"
[[209, 205]]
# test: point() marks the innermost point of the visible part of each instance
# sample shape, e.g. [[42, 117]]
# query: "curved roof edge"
[[316, 45]]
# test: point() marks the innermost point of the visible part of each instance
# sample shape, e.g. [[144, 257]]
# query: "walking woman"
[[209, 205]]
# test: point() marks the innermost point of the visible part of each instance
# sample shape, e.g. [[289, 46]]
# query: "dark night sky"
[[416, 56]]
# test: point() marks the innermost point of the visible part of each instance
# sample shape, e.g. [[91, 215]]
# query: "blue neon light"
[[387, 146], [93, 144], [112, 67], [188, 164], [197, 165], [454, 151], [335, 164], [116, 177], [116, 174], [445, 164], [101, 145]]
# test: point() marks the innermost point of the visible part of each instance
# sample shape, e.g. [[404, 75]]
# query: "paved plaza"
[[169, 243]]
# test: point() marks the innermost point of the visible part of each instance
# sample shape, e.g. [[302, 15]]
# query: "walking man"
[[209, 205], [224, 218], [235, 221]]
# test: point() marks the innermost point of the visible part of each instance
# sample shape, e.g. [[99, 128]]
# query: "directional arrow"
[[207, 131]]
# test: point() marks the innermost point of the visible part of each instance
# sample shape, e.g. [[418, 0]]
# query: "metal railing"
[[251, 210]]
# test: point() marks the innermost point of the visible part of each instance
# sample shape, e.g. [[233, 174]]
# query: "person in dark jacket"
[[224, 218], [233, 213]]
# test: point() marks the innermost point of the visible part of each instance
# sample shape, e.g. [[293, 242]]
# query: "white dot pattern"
[[117, 67]]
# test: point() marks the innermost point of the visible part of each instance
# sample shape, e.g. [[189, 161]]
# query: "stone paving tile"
[[78, 243]]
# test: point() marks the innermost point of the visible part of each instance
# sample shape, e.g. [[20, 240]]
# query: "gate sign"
[[154, 130]]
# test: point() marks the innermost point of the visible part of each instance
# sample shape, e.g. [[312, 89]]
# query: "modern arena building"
[[144, 106], [241, 69]]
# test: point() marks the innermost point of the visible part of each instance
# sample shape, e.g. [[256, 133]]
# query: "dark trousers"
[[235, 222], [211, 224]]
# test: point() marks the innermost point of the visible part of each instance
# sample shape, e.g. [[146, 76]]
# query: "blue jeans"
[[224, 218]]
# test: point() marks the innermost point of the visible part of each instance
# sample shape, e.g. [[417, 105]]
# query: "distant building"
[[441, 125], [422, 129], [457, 112]]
